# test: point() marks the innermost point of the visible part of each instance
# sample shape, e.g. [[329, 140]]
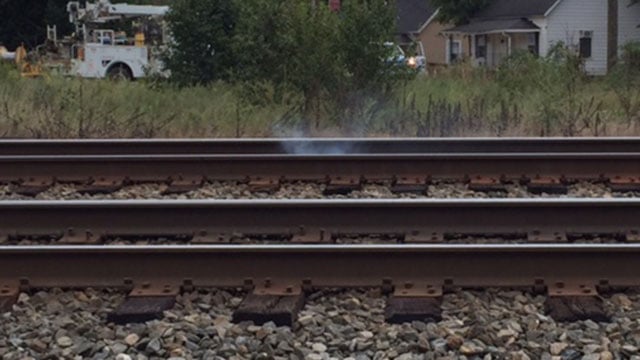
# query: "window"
[[586, 40], [455, 51], [532, 43], [481, 46]]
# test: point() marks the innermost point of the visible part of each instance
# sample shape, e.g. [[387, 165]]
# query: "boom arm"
[[137, 10], [103, 11]]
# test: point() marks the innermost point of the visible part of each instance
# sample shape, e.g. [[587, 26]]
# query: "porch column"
[[472, 46], [449, 49]]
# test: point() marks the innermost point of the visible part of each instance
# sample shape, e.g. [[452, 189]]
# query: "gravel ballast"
[[306, 190], [489, 324]]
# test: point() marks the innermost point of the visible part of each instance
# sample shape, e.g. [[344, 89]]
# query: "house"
[[418, 24], [411, 14], [596, 29]]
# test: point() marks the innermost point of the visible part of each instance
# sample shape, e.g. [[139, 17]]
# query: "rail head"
[[320, 266], [314, 145], [321, 219]]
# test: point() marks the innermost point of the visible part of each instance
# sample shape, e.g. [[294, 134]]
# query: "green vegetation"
[[286, 46], [289, 67], [525, 97], [203, 37]]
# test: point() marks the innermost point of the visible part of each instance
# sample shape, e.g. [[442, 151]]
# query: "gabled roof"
[[412, 14], [480, 27], [516, 9]]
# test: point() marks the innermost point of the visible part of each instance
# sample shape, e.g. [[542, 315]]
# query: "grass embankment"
[[458, 102]]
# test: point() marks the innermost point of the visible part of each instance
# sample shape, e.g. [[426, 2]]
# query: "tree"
[[306, 47], [24, 21], [458, 11], [364, 27], [201, 50], [290, 44]]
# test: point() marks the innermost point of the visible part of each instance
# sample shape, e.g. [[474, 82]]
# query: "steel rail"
[[300, 167], [318, 146], [321, 217], [321, 266]]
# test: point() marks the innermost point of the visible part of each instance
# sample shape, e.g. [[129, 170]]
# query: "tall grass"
[[57, 107], [526, 97]]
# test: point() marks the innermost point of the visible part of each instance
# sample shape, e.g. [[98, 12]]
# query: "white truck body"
[[100, 58]]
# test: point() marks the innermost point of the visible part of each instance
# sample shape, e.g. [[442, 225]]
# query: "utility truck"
[[118, 41]]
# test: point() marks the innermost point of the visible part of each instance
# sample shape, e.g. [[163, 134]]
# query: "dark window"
[[455, 51], [481, 46], [585, 44], [532, 43]]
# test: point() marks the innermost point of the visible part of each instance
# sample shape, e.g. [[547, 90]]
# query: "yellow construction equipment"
[[29, 68], [25, 63]]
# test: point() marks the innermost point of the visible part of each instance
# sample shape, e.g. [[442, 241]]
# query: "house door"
[[497, 49], [481, 49], [455, 51]]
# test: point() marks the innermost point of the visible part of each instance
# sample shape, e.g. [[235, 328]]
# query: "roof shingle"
[[490, 26], [515, 9], [412, 14]]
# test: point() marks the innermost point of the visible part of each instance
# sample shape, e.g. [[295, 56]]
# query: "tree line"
[[332, 59]]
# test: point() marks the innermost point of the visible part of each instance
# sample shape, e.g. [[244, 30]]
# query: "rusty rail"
[[314, 167], [318, 146], [321, 266], [40, 162], [317, 219]]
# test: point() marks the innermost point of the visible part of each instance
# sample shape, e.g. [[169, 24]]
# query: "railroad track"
[[414, 266], [343, 165], [415, 271]]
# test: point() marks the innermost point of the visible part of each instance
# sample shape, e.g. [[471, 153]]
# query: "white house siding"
[[569, 18], [629, 19]]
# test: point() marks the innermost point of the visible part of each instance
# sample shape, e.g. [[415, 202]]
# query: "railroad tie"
[[342, 185], [102, 185], [181, 185], [270, 303], [407, 309], [548, 185], [480, 183], [624, 184], [413, 301], [572, 302], [281, 310], [8, 296], [410, 184], [264, 184], [144, 303], [34, 186]]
